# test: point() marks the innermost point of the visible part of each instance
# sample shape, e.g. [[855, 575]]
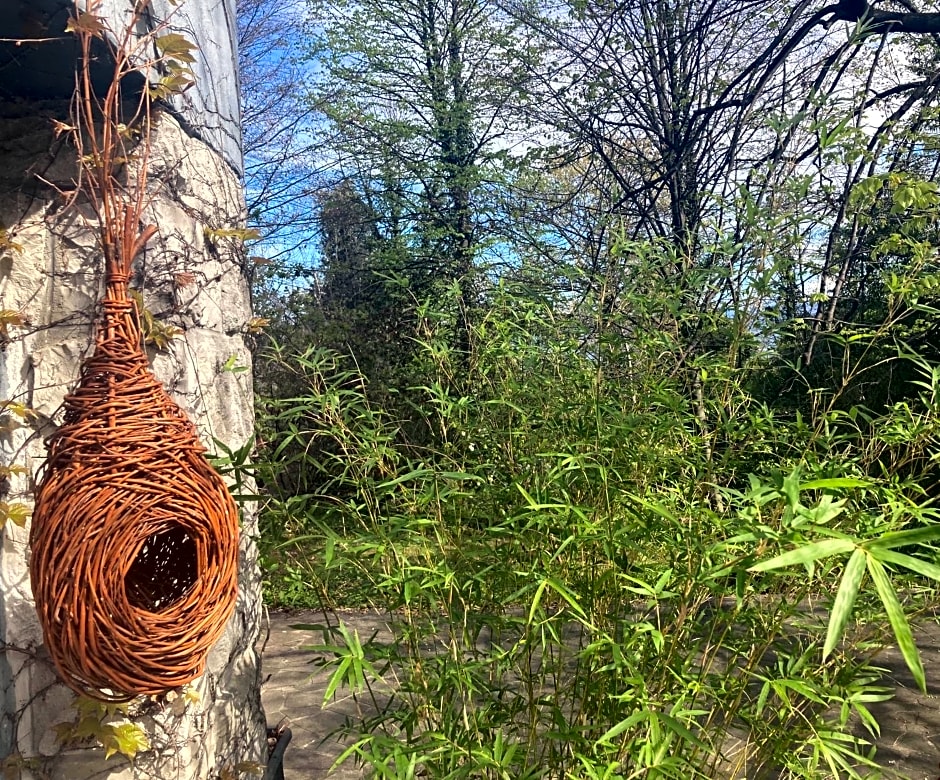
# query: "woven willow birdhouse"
[[134, 537]]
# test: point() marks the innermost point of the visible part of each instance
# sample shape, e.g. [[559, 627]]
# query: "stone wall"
[[191, 279]]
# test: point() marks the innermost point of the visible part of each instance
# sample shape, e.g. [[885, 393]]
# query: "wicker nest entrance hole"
[[163, 571]]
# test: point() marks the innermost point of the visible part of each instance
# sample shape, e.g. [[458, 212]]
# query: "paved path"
[[294, 688], [910, 737]]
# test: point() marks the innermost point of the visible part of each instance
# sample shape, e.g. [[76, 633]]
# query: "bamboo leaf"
[[627, 723], [845, 599], [676, 726], [835, 483], [570, 599], [898, 620], [806, 554], [917, 565], [922, 535]]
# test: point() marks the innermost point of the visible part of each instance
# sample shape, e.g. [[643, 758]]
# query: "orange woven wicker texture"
[[134, 536]]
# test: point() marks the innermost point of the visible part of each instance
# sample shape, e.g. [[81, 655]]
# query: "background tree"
[[280, 136], [423, 119]]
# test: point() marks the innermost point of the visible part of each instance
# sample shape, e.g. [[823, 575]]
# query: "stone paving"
[[294, 688]]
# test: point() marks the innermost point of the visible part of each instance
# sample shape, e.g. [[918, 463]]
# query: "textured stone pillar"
[[192, 280]]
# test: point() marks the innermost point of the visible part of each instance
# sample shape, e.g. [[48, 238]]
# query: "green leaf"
[[898, 620], [232, 365], [797, 686], [918, 565], [627, 723], [87, 726], [835, 483], [410, 476], [806, 554], [676, 726], [922, 535], [329, 551], [791, 488], [351, 665], [536, 505], [536, 602], [339, 677], [570, 599], [825, 511], [845, 599], [176, 46], [14, 513], [128, 739]]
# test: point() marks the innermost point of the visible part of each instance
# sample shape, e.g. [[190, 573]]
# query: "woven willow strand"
[[134, 536]]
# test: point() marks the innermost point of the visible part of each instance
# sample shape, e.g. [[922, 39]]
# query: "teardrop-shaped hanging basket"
[[134, 536]]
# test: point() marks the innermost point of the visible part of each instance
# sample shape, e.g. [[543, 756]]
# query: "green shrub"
[[598, 571]]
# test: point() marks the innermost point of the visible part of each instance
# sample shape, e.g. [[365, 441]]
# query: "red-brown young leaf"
[[87, 23]]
